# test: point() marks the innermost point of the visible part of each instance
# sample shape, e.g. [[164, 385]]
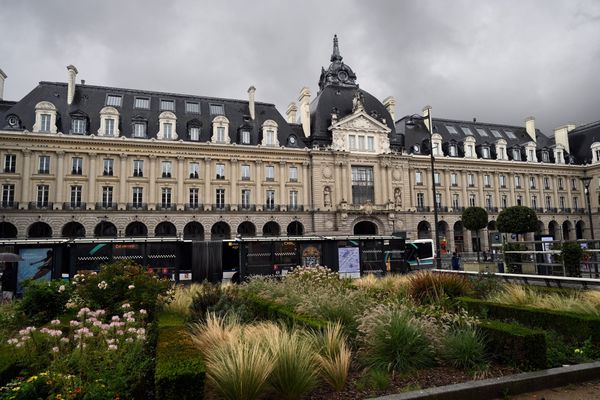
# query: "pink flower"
[[112, 346], [55, 349]]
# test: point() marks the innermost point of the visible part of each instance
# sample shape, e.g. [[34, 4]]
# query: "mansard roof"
[[91, 99], [581, 140]]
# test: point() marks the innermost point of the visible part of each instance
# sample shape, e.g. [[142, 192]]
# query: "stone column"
[[60, 181], [26, 179], [180, 182], [92, 182], [347, 183], [123, 172], [305, 185], [235, 175], [258, 196], [152, 184], [207, 176], [511, 185], [390, 186], [282, 178], [380, 183], [338, 188]]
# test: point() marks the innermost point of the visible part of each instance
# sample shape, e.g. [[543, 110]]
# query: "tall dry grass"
[[214, 332], [333, 355], [388, 283], [182, 299]]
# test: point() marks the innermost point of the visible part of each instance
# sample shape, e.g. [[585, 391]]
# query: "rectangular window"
[[10, 163], [245, 170], [138, 196], [500, 155], [485, 152], [452, 129], [546, 183], [270, 172], [192, 107], [138, 168], [108, 167], [110, 126], [220, 199], [471, 180], [75, 196], [44, 165], [270, 200], [518, 182], [167, 105], [113, 100], [453, 179], [220, 169], [78, 126], [488, 201], [545, 156], [548, 202], [510, 134], [8, 195], [573, 184], [561, 185], [438, 200], [76, 166], [576, 203], [352, 142], [194, 197], [516, 154], [534, 204], [496, 133], [245, 137], [487, 180], [519, 200], [194, 170], [194, 133], [467, 131], [45, 122], [453, 152], [139, 129], [420, 200], [504, 201], [293, 174], [168, 130], [418, 177], [270, 141], [561, 201], [42, 195], [482, 132], [107, 196], [165, 198], [142, 102], [455, 201], [246, 198], [472, 200], [532, 182], [436, 179], [363, 185], [221, 134], [361, 143], [293, 200], [502, 181], [166, 169], [370, 143], [217, 109]]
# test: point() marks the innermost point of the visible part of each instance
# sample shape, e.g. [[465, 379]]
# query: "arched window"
[[193, 230], [271, 228], [45, 117], [220, 130], [109, 122], [167, 124], [269, 133]]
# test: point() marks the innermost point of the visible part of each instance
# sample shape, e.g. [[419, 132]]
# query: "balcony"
[[9, 205], [137, 206], [108, 172], [40, 205], [458, 209], [564, 210], [538, 209], [295, 208], [9, 170], [138, 174], [551, 209], [43, 171], [423, 209], [166, 174], [270, 179], [194, 175], [579, 210], [106, 206], [442, 208], [271, 207], [193, 206], [491, 209], [220, 177], [76, 171], [166, 207], [246, 207], [293, 180], [73, 205], [221, 207], [245, 178]]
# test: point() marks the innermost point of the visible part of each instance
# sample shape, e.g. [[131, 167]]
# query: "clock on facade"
[[342, 76]]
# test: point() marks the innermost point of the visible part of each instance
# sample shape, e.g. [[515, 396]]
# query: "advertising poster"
[[349, 261], [36, 264]]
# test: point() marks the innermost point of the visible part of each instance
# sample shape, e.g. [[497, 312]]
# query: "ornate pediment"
[[360, 122]]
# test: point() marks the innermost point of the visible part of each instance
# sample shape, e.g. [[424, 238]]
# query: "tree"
[[517, 219], [475, 219]]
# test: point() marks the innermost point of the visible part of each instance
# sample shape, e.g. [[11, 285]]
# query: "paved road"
[[581, 391]]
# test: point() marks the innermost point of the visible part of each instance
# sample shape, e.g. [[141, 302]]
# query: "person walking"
[[455, 262]]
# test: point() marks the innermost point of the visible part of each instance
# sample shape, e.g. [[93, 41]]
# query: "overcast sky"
[[500, 61]]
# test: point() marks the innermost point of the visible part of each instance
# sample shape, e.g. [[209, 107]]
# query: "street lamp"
[[586, 183], [411, 122]]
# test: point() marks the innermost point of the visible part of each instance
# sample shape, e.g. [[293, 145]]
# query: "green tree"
[[517, 219], [475, 219], [571, 254]]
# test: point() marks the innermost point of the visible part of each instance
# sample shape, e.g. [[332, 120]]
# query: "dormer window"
[[192, 107], [167, 105], [292, 141], [220, 132], [45, 122], [167, 123], [453, 150], [485, 152], [516, 154], [114, 100], [109, 122], [194, 133], [245, 137], [217, 109], [416, 149], [270, 138], [269, 128], [45, 117], [545, 156], [142, 103], [168, 130], [139, 129], [79, 126]]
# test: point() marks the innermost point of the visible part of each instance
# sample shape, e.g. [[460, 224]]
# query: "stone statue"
[[358, 102], [327, 196], [397, 198]]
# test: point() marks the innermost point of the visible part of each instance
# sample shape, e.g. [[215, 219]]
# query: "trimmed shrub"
[[267, 309], [9, 367], [43, 301], [431, 287], [179, 372]]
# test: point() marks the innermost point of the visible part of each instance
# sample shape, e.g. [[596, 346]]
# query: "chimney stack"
[[427, 112], [390, 104], [304, 100], [71, 75], [251, 105], [561, 136], [530, 127], [2, 78], [291, 113]]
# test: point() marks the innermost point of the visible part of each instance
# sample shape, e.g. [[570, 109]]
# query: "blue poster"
[[349, 261], [36, 264]]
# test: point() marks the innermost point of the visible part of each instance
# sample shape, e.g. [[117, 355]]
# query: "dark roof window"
[[79, 126], [510, 134], [167, 105], [496, 133], [114, 100], [482, 132], [142, 102], [466, 130], [192, 108], [217, 109], [451, 129]]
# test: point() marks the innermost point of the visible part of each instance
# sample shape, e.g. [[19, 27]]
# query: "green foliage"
[[117, 283], [43, 301], [514, 261], [474, 218], [9, 367], [207, 295], [464, 348], [431, 287], [179, 371], [562, 351], [517, 219], [485, 284], [374, 379], [571, 254]]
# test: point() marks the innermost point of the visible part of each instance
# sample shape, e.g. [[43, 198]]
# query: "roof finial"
[[335, 56]]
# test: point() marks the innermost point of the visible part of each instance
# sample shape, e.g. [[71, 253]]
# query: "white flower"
[[112, 346], [103, 285], [126, 306], [55, 349], [55, 322], [131, 287], [61, 288]]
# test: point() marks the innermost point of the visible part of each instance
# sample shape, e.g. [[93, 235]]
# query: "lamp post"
[[586, 183], [410, 122]]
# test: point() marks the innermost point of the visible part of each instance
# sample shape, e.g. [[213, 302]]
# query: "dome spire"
[[335, 56]]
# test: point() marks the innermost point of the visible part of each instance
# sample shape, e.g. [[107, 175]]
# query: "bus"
[[420, 253]]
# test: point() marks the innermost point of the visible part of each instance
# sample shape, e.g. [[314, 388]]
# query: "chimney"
[[427, 112], [390, 104], [561, 136], [2, 78], [291, 113], [251, 106], [530, 127], [304, 100], [71, 75]]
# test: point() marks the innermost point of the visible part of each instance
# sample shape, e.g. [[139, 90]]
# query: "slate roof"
[[91, 99], [581, 140]]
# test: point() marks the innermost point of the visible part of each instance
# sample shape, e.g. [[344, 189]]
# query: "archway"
[[541, 228], [105, 229], [442, 233], [165, 228], [136, 228], [73, 230], [566, 230], [246, 228], [220, 231], [424, 230], [459, 237], [39, 230], [491, 226], [271, 228], [553, 229], [7, 230], [579, 229], [193, 230], [295, 228], [365, 228]]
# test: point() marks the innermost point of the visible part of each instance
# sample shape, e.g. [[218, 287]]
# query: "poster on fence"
[[36, 264], [349, 262]]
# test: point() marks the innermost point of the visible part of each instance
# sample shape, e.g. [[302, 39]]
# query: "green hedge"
[[516, 345], [179, 371], [268, 309], [9, 368], [576, 326]]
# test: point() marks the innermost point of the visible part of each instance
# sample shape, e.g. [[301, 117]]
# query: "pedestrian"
[[485, 256], [455, 262]]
